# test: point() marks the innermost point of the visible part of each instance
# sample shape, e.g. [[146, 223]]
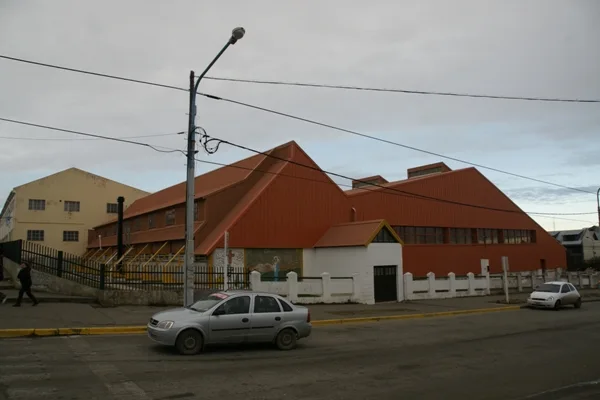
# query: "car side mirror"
[[219, 311]]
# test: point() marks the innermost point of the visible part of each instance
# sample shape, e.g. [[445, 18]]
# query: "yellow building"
[[58, 210]]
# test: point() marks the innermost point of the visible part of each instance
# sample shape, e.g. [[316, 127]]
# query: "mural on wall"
[[274, 264], [236, 257]]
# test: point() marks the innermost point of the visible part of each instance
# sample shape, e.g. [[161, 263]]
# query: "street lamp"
[[188, 272], [598, 204]]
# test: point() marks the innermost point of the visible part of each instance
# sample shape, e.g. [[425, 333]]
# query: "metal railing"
[[149, 276]]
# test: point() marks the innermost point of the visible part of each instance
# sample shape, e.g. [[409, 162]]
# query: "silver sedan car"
[[554, 295], [231, 317]]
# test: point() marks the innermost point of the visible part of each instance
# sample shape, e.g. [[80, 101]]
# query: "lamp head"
[[237, 34]]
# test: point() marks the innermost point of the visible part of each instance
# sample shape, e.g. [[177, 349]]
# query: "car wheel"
[[189, 342], [557, 305], [286, 339], [578, 303]]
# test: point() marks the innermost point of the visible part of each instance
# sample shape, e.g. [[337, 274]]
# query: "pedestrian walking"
[[26, 283]]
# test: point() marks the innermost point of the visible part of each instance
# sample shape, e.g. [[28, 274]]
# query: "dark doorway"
[[543, 266], [385, 282]]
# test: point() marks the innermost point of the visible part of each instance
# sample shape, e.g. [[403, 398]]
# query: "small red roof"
[[359, 233]]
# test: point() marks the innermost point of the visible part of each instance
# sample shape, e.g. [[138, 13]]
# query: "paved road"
[[504, 356]]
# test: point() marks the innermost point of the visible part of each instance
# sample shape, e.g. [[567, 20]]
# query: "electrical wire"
[[155, 148], [287, 115], [328, 182], [405, 91], [387, 189], [207, 139], [71, 139], [81, 71], [371, 137]]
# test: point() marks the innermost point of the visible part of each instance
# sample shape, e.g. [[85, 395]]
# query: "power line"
[[401, 192], [311, 85], [405, 91], [296, 118], [71, 139], [313, 122], [81, 71], [565, 219], [155, 148], [386, 189]]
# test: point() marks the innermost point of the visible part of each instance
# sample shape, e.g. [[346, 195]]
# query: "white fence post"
[[292, 280], [355, 288], [580, 279], [519, 282], [431, 282], [488, 284], [593, 281], [326, 282], [255, 281], [408, 286], [471, 278], [452, 284]]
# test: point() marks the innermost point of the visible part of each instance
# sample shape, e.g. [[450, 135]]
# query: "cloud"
[[548, 194], [511, 48]]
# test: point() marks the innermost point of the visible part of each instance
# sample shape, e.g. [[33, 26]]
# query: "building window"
[[487, 236], [427, 235], [406, 233], [35, 236], [170, 217], [72, 206], [137, 224], [420, 235], [36, 204], [518, 236], [151, 222], [460, 236], [196, 210], [112, 208], [384, 236], [70, 236]]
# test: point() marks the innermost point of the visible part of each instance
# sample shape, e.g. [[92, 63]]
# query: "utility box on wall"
[[485, 266]]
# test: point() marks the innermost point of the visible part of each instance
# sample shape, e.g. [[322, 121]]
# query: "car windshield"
[[548, 287], [208, 301]]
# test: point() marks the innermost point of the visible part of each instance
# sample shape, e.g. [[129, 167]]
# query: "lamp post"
[[188, 272], [598, 204]]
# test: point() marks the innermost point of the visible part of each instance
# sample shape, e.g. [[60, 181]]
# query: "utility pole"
[[598, 204], [188, 271]]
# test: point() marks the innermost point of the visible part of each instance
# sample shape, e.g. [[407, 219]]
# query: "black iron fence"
[[139, 276]]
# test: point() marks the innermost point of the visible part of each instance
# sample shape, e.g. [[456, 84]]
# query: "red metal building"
[[282, 200]]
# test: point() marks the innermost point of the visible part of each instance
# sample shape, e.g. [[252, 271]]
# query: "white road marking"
[[7, 379], [30, 393], [118, 385]]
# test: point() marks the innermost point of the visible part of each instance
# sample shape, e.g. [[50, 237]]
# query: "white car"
[[554, 295]]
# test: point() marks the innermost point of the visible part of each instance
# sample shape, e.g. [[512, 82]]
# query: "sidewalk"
[[45, 297], [70, 315]]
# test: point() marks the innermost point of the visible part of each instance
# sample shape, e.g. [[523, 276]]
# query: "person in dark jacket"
[[26, 283]]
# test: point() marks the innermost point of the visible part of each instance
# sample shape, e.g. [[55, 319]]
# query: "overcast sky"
[[510, 47]]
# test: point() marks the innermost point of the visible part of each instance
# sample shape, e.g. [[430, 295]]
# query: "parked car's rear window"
[[286, 307]]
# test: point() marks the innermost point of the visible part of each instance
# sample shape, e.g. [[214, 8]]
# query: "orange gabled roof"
[[268, 176], [350, 234], [174, 232], [398, 184], [204, 185]]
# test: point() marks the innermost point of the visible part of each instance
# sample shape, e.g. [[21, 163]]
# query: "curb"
[[133, 330], [45, 332]]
